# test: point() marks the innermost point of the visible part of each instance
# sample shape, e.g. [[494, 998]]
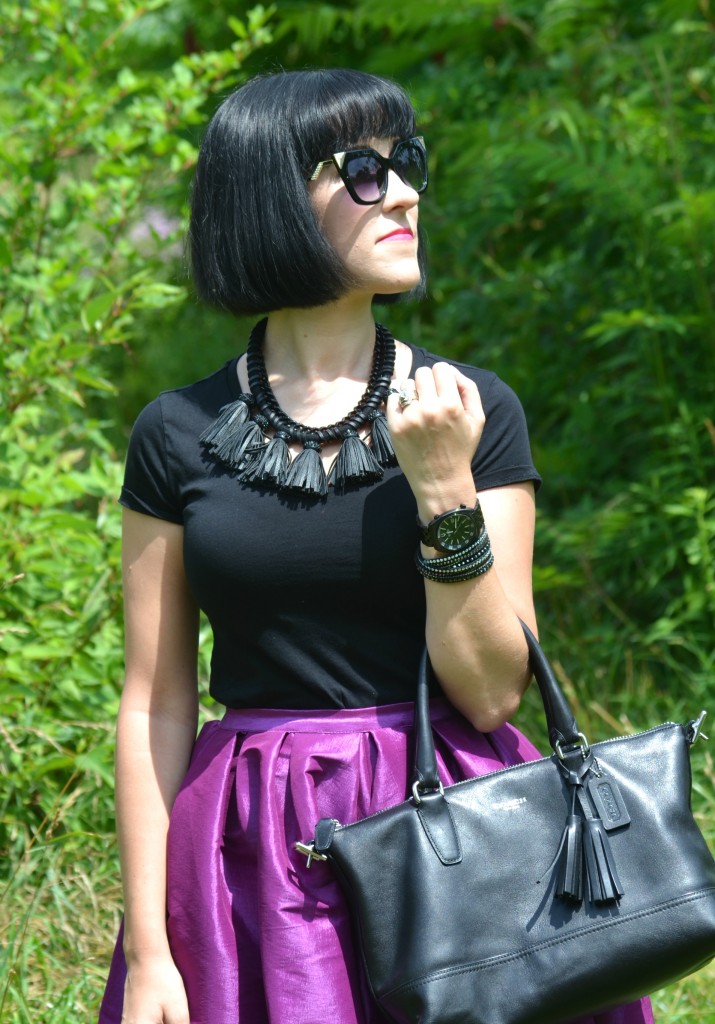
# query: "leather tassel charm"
[[230, 418], [306, 472], [569, 884], [274, 461], [604, 885], [355, 462], [236, 445], [380, 439]]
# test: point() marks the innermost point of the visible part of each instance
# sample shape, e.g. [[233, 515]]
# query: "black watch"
[[453, 530]]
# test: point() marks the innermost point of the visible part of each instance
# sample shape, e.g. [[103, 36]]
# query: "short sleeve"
[[504, 453], [148, 485]]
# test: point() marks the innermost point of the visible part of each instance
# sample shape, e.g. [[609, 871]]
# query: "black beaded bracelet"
[[457, 575], [472, 561]]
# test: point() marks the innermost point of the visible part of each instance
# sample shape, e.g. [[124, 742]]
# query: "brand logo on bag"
[[609, 801], [509, 805]]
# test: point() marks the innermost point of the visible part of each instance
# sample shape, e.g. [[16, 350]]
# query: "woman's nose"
[[399, 193]]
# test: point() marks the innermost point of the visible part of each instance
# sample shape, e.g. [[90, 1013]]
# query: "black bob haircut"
[[255, 244]]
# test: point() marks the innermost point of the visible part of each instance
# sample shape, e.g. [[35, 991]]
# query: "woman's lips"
[[398, 235]]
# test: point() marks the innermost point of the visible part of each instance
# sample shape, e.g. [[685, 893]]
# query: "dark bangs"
[[340, 108]]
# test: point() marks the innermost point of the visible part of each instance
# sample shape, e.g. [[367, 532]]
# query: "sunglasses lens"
[[410, 162], [367, 177], [366, 171]]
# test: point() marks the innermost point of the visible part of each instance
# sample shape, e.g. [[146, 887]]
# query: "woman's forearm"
[[153, 751], [473, 634], [477, 649]]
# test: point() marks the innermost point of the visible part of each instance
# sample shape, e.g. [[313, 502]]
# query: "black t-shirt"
[[313, 604]]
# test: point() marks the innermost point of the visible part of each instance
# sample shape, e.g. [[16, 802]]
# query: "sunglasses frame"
[[386, 162]]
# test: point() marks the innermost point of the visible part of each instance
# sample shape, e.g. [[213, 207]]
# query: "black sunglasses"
[[364, 172]]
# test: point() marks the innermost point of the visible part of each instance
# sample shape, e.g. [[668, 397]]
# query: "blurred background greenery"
[[570, 220]]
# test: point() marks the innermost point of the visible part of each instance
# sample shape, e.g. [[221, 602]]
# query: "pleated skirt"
[[257, 936]]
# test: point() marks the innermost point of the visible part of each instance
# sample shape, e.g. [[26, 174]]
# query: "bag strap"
[[563, 730]]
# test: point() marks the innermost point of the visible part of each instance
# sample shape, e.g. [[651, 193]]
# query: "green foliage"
[[97, 157]]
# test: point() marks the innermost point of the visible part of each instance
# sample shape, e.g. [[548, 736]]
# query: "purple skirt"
[[257, 937]]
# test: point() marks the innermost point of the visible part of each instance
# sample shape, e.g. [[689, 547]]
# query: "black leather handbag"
[[537, 893]]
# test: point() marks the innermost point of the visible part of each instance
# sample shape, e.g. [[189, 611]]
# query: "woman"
[[298, 541]]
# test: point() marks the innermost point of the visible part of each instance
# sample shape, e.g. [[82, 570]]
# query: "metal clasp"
[[583, 746], [308, 850], [416, 792], [695, 728]]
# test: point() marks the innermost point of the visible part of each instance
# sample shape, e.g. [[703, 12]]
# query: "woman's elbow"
[[489, 707], [488, 717]]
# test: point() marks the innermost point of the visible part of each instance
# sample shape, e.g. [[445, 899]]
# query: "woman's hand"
[[154, 993], [435, 437]]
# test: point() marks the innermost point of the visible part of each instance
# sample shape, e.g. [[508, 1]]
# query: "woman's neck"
[[319, 360], [322, 344]]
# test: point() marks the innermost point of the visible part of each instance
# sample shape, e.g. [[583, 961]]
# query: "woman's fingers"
[[441, 390], [469, 394], [437, 387], [436, 433]]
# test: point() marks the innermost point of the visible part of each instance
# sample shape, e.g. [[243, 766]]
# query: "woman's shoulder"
[[220, 386], [164, 450], [492, 389], [193, 404]]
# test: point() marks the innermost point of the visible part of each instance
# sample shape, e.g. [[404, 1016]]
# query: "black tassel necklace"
[[252, 435]]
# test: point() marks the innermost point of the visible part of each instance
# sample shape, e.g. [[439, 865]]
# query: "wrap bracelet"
[[472, 561], [457, 575]]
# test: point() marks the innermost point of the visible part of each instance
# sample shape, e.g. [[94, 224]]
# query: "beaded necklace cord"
[[252, 435]]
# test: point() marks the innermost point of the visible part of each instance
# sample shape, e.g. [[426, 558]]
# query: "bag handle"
[[563, 730]]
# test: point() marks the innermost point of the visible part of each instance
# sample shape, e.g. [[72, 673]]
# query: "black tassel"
[[248, 470], [355, 461], [380, 439], [235, 446], [306, 472], [569, 884], [604, 885], [229, 419], [274, 460]]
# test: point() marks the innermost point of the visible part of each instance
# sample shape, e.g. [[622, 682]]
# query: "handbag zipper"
[[692, 730]]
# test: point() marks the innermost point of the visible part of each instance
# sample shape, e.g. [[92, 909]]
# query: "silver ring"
[[407, 397]]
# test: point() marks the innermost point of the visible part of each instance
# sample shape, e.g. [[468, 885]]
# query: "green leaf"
[[94, 312], [237, 27], [98, 763], [92, 380]]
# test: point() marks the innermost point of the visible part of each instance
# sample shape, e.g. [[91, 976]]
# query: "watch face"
[[455, 531]]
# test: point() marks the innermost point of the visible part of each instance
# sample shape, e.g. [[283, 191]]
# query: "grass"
[[58, 916]]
